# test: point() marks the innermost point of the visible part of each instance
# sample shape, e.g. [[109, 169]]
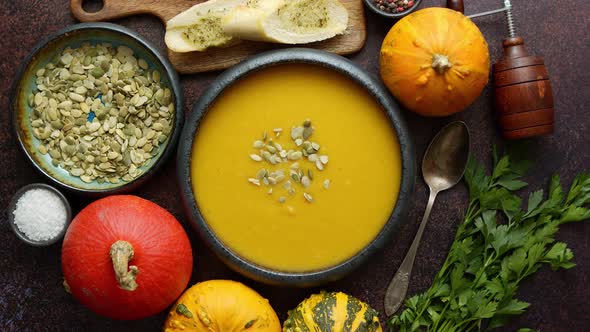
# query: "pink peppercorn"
[[394, 6]]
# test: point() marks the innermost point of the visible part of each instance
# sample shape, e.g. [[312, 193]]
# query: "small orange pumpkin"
[[222, 306], [435, 61]]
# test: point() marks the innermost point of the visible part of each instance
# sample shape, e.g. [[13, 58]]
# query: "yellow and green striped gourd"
[[332, 312]]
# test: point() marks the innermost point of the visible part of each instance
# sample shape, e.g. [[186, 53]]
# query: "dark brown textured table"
[[31, 295]]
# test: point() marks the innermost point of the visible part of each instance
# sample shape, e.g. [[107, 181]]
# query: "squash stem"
[[121, 253], [441, 63]]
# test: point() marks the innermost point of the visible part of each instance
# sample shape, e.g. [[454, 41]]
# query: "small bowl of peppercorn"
[[393, 8]]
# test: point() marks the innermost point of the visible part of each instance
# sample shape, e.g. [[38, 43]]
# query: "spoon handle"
[[396, 291]]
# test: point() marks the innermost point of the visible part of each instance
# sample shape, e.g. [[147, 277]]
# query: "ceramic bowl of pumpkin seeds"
[[96, 108]]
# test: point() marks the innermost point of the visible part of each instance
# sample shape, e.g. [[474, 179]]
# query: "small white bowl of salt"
[[39, 214]]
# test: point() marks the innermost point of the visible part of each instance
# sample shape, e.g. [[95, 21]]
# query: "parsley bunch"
[[496, 247]]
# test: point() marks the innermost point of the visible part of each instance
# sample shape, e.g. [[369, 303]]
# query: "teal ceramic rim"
[[74, 36]]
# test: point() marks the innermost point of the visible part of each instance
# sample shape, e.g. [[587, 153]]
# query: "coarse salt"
[[40, 214]]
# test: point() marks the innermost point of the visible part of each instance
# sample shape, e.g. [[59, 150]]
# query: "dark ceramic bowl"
[[20, 234], [306, 56], [375, 9], [74, 36]]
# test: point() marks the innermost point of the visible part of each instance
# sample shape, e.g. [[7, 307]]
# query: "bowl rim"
[[378, 11], [12, 207], [175, 87], [326, 60]]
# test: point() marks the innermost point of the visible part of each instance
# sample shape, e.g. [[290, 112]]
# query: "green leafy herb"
[[495, 248]]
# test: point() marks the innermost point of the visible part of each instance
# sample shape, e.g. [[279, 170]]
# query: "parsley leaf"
[[514, 307], [512, 184], [535, 199], [496, 247]]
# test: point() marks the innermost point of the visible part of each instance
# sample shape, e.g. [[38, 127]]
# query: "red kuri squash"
[[125, 257]]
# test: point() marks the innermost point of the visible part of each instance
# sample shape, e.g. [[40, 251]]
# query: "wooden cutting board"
[[219, 58]]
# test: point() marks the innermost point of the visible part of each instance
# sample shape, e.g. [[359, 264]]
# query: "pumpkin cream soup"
[[296, 168]]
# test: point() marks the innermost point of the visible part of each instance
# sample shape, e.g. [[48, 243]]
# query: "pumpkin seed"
[[294, 155], [142, 64], [254, 181], [305, 181], [275, 160], [77, 172], [326, 184], [42, 149], [307, 132], [296, 132], [76, 113], [266, 155], [258, 144], [86, 178], [282, 199], [255, 157], [324, 159], [156, 76], [81, 90], [261, 174], [308, 197], [319, 165], [104, 150]]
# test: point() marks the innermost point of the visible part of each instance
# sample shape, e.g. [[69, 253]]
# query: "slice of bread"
[[286, 21], [199, 27]]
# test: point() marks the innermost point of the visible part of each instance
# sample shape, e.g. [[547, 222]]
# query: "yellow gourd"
[[221, 306], [435, 61]]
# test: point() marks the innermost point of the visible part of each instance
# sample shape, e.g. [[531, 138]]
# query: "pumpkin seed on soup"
[[274, 153]]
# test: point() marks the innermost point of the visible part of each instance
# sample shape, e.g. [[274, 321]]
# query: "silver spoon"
[[442, 167]]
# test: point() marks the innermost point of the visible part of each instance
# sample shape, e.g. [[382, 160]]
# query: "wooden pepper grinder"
[[523, 94]]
